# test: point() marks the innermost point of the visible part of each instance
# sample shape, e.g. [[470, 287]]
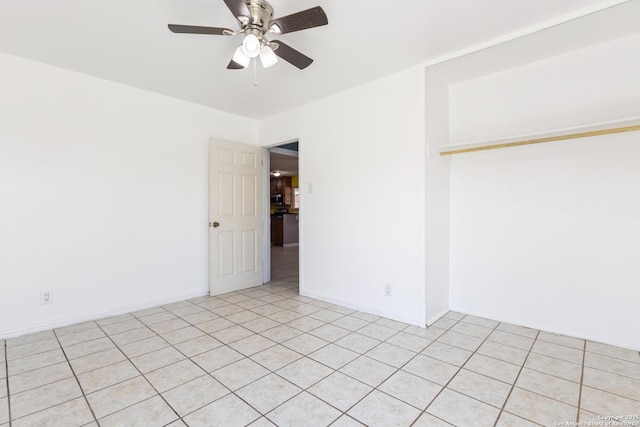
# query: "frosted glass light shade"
[[251, 46], [241, 58], [267, 57]]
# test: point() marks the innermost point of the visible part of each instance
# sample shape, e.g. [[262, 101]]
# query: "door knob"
[[215, 224]]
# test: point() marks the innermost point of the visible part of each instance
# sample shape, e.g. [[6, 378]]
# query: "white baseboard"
[[364, 308], [437, 317], [66, 321]]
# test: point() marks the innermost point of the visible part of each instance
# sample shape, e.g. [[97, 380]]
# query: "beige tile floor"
[[268, 356]]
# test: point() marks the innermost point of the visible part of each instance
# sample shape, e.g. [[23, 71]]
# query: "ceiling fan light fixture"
[[240, 57], [267, 57], [251, 45]]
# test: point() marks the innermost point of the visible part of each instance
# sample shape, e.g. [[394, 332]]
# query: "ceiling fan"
[[255, 18]]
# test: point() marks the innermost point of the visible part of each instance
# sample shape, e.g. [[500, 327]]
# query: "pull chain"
[[255, 72]]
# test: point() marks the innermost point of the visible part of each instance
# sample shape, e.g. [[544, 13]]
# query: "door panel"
[[250, 160], [225, 202], [226, 252], [235, 206], [249, 254], [249, 196]]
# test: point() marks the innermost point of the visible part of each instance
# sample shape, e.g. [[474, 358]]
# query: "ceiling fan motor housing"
[[258, 22]]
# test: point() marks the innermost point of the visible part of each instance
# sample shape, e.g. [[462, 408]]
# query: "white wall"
[[103, 195], [437, 197], [586, 86], [361, 152], [547, 236]]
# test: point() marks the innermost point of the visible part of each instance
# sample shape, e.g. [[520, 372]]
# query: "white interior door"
[[235, 215]]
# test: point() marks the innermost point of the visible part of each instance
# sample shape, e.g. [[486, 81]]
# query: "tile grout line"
[[140, 372], [617, 359], [303, 356], [43, 385], [226, 345], [6, 369], [550, 374], [125, 355], [206, 374], [398, 369], [544, 341], [464, 364], [268, 369], [424, 411], [614, 393], [513, 386], [244, 357], [76, 378], [342, 413], [584, 356], [324, 323], [561, 401], [454, 375], [530, 351], [303, 390]]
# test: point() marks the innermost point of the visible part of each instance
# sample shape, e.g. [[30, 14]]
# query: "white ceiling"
[[127, 41]]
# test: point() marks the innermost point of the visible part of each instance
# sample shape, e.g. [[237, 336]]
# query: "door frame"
[[266, 195], [266, 215]]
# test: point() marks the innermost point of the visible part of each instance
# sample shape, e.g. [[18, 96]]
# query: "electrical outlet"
[[46, 297], [387, 289]]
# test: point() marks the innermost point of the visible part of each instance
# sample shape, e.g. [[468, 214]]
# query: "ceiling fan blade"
[[238, 8], [193, 29], [233, 65], [310, 18], [291, 55]]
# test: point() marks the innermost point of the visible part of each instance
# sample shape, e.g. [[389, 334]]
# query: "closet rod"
[[545, 139]]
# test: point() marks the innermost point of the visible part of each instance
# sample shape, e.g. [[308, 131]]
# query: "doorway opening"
[[284, 216]]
